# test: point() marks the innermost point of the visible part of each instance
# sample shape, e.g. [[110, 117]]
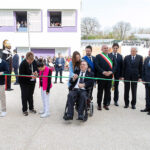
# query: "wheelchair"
[[88, 106]]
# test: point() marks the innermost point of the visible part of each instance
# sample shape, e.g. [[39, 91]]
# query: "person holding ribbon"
[[74, 64], [105, 65], [28, 70], [78, 91]]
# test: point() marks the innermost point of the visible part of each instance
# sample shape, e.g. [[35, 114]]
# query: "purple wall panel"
[[43, 52], [61, 29]]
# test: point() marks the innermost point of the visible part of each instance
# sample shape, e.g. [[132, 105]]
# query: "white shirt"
[[115, 54], [133, 57], [76, 86], [0, 60], [90, 57]]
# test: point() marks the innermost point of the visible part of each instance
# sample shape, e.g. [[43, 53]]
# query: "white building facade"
[[45, 27]]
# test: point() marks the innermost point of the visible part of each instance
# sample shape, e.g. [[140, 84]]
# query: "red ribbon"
[[5, 82]]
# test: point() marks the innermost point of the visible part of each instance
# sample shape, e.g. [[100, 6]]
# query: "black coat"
[[3, 68], [25, 69], [146, 70], [15, 61], [119, 70], [88, 82], [101, 65], [132, 71], [7, 58], [1, 52]]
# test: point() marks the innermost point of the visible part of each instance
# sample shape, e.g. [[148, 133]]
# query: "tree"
[[121, 30], [144, 31], [89, 27]]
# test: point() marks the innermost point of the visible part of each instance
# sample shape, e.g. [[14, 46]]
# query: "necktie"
[[90, 58], [133, 58], [116, 55], [81, 79]]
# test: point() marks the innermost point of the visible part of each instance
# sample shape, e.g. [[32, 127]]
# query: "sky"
[[109, 12]]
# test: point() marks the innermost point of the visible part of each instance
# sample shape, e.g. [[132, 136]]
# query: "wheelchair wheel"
[[91, 109], [85, 116]]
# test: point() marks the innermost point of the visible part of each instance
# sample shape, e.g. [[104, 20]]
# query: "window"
[[6, 18], [21, 21], [55, 19], [68, 18], [31, 18]]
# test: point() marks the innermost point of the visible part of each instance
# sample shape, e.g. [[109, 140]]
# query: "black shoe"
[[99, 108], [126, 106], [25, 113], [55, 82], [145, 110], [9, 89], [133, 107], [106, 107], [67, 117], [16, 83], [62, 82], [33, 111], [116, 104], [81, 117], [148, 113]]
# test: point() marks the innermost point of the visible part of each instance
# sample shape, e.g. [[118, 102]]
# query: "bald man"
[[106, 66], [132, 71]]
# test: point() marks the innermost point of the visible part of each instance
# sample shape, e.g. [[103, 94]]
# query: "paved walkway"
[[117, 129]]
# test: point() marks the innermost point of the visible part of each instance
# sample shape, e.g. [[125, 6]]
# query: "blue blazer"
[[57, 67], [15, 61]]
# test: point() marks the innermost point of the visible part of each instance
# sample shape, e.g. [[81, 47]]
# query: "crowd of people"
[[106, 67], [21, 24]]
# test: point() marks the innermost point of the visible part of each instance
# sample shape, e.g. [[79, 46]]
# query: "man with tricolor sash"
[[105, 65]]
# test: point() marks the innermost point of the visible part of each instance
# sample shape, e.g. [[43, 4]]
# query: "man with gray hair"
[[105, 65], [132, 73]]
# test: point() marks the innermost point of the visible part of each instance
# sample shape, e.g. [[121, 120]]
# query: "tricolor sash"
[[107, 59], [90, 63]]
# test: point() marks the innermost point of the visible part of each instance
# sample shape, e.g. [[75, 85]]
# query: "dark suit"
[[132, 70], [15, 64], [7, 56], [76, 92], [117, 75], [146, 78], [104, 85], [59, 68]]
